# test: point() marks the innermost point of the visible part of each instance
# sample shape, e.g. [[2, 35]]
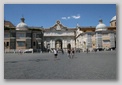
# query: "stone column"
[[50, 43]]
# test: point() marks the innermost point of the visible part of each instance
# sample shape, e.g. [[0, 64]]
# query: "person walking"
[[73, 52], [69, 53], [19, 52], [87, 50], [55, 53]]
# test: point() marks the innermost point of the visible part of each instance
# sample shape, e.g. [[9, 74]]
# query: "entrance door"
[[58, 44], [69, 46]]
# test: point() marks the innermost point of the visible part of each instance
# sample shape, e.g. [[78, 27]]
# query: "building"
[[59, 37], [22, 37], [99, 37]]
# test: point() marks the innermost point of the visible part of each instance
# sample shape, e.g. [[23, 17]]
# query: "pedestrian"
[[62, 51], [69, 53], [73, 52], [19, 52], [87, 50], [55, 53]]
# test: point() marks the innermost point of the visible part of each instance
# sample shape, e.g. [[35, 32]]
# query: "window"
[[38, 35], [33, 43], [7, 44], [106, 41], [6, 35], [28, 43], [34, 35], [12, 44], [21, 35], [21, 43], [13, 35], [28, 35]]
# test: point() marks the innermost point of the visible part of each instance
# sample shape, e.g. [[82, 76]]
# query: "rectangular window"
[[21, 35], [13, 34], [21, 43], [106, 41], [12, 43], [7, 44], [34, 35], [38, 35], [28, 35], [6, 35], [33, 43], [28, 43]]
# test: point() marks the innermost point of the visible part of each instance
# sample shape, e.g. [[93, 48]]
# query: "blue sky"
[[46, 15]]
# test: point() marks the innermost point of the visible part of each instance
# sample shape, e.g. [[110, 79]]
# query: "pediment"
[[58, 26]]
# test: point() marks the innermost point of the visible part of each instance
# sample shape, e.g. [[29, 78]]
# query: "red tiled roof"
[[8, 24]]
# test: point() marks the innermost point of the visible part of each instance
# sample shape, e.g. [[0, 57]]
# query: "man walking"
[[55, 53], [69, 53], [73, 52]]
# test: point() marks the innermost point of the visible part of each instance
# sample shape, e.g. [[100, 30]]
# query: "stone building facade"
[[99, 37], [22, 38], [59, 37]]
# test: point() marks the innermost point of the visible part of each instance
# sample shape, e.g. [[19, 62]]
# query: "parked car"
[[28, 51]]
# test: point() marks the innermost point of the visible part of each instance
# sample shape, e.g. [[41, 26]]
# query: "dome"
[[113, 19], [22, 25], [101, 26]]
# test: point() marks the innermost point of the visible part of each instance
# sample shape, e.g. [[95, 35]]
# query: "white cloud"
[[76, 17], [66, 17], [63, 18], [69, 17]]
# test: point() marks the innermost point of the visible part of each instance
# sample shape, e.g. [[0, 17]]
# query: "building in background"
[[59, 37], [22, 37], [99, 37]]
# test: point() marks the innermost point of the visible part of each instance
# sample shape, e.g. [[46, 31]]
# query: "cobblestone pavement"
[[91, 66]]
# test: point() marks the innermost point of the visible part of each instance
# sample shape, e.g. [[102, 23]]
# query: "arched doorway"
[[58, 44], [69, 46]]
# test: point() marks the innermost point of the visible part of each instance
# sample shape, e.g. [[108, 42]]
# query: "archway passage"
[[58, 44], [69, 46]]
